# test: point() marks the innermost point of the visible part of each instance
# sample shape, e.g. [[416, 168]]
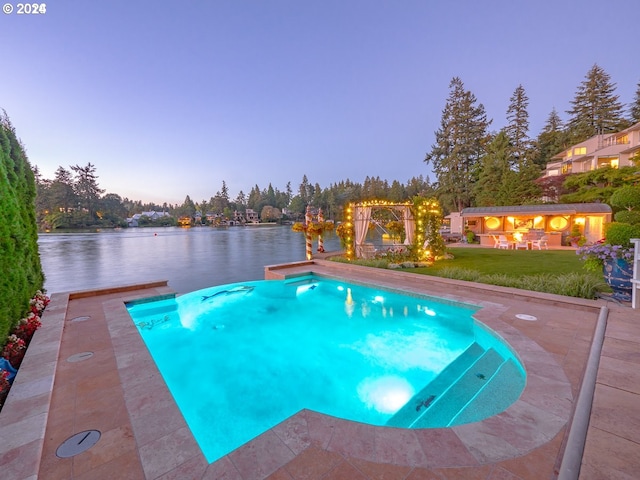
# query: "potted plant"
[[613, 256], [575, 237]]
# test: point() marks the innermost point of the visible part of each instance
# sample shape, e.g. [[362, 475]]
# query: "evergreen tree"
[[289, 193], [496, 181], [419, 186], [20, 270], [86, 187], [304, 190], [634, 109], [271, 196], [241, 201], [224, 192], [552, 140], [188, 208], [518, 128], [397, 192], [459, 146], [255, 201], [595, 107], [62, 193]]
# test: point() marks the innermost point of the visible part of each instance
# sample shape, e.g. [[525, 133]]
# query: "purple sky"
[[169, 98]]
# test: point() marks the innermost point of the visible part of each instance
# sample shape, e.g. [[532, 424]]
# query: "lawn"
[[514, 263], [553, 271]]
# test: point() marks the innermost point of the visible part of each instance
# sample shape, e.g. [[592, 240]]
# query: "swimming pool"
[[242, 357]]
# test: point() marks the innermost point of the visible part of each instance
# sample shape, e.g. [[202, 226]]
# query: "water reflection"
[[190, 259]]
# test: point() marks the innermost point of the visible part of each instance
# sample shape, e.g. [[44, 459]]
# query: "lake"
[[189, 258]]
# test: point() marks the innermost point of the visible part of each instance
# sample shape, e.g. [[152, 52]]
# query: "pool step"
[[416, 406], [447, 406], [497, 394]]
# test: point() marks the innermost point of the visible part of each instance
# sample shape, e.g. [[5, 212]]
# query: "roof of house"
[[547, 209]]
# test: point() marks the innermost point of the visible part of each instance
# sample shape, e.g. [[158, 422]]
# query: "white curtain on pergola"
[[361, 226], [409, 226], [362, 219]]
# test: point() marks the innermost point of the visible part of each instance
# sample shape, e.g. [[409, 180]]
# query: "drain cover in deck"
[[78, 443], [78, 357], [80, 319], [528, 318]]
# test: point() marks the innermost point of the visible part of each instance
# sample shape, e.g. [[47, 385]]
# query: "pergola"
[[362, 219]]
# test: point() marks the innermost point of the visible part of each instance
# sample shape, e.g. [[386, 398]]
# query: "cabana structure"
[[362, 219], [555, 221], [415, 220]]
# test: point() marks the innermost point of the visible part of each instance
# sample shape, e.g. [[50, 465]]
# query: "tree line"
[[74, 199], [473, 165]]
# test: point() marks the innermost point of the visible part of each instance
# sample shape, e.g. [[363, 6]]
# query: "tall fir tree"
[[552, 139], [496, 180], [518, 127], [596, 108], [20, 269], [459, 146], [86, 187]]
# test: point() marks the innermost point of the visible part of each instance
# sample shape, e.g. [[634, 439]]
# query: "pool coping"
[[471, 445]]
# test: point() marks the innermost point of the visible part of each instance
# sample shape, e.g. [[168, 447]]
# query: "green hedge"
[[20, 270]]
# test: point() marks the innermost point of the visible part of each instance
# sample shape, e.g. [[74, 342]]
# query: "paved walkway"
[[118, 391]]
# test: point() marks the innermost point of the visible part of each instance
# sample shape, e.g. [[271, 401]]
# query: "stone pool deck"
[[87, 369]]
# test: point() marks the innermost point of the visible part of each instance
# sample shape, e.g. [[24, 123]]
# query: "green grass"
[[513, 263], [552, 271]]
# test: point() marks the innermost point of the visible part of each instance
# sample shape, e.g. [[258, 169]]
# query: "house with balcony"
[[613, 150]]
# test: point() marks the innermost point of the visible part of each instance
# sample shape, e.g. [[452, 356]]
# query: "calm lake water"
[[190, 259]]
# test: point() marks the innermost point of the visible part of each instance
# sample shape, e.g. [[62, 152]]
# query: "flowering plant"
[[14, 350], [594, 256], [27, 327], [4, 386], [38, 303]]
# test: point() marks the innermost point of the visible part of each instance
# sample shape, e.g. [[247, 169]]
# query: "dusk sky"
[[170, 98]]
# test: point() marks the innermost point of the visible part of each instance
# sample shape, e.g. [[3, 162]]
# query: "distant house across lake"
[[151, 215]]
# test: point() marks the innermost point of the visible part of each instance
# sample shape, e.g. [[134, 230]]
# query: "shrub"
[[627, 197], [621, 233], [628, 216], [456, 273]]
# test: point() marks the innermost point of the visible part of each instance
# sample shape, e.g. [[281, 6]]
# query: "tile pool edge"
[[533, 420]]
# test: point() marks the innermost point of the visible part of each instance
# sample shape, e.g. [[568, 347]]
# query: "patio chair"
[[503, 242], [542, 242], [522, 243], [496, 241]]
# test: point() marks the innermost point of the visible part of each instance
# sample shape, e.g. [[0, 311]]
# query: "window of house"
[[612, 162], [622, 139], [566, 168], [580, 151]]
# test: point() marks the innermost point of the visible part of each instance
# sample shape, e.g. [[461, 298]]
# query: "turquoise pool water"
[[240, 358]]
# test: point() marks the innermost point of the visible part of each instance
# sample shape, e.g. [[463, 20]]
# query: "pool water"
[[240, 358]]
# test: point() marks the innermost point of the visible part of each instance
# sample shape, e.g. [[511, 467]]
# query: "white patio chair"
[[521, 244], [542, 242], [503, 242]]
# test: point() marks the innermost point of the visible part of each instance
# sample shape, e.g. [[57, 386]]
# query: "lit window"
[[558, 223], [580, 151], [492, 223], [612, 162]]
